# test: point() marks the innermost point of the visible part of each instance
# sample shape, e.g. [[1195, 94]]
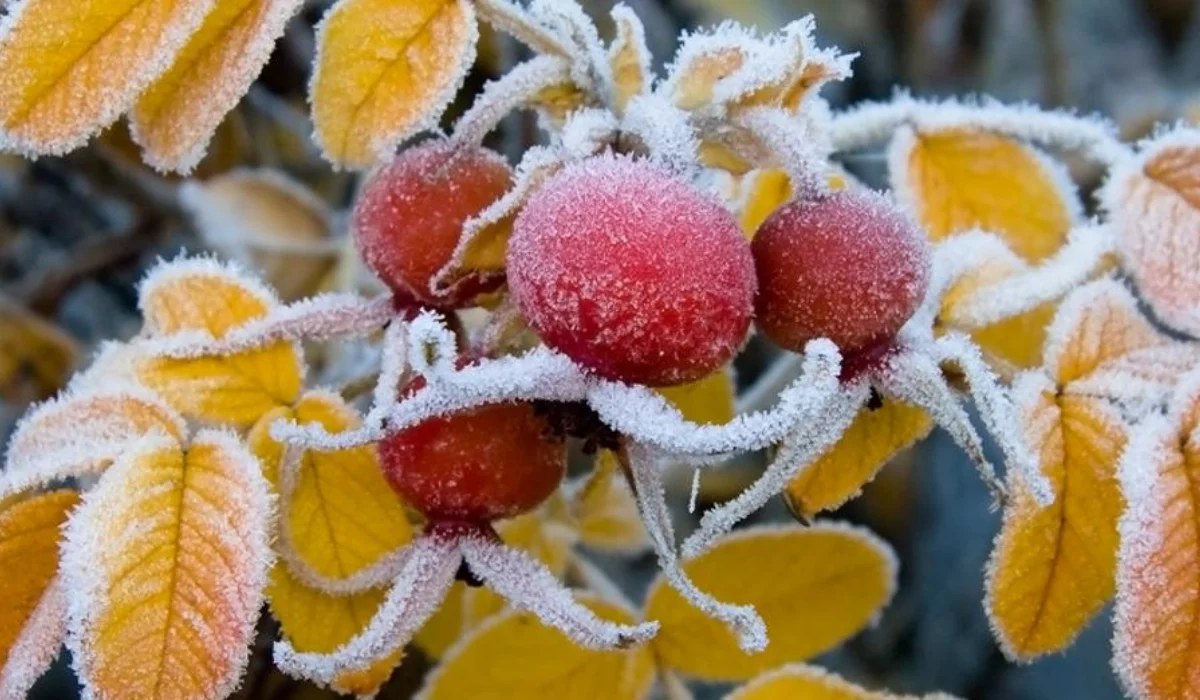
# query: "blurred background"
[[77, 233]]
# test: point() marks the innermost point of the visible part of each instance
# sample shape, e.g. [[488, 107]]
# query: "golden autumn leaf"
[[342, 517], [385, 70], [1052, 568], [1157, 614], [202, 295], [166, 561], [1154, 201], [36, 357], [72, 68], [875, 436], [763, 192], [514, 656], [813, 586], [604, 512], [29, 541], [176, 117], [707, 400], [1097, 324], [959, 179], [268, 220], [804, 682]]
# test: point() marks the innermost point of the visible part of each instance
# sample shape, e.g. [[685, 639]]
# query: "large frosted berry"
[[848, 266], [632, 273], [409, 217], [483, 465]]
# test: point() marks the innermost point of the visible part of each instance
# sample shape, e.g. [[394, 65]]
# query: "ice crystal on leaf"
[[1021, 311]]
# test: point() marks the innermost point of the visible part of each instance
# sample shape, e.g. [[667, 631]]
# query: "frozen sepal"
[[82, 432], [319, 318], [648, 418], [516, 88], [916, 378], [419, 588], [996, 410], [528, 585], [743, 620], [665, 132], [801, 448]]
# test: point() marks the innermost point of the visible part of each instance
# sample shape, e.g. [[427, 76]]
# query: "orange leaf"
[[1053, 566], [29, 540], [1098, 323], [960, 179], [165, 563], [71, 68], [1155, 204], [875, 436], [384, 71], [1157, 616], [177, 116]]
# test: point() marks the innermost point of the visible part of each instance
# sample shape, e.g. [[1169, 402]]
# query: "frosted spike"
[[393, 364], [916, 378], [507, 93], [997, 412], [646, 417], [419, 589], [528, 585], [801, 448], [743, 620], [319, 318]]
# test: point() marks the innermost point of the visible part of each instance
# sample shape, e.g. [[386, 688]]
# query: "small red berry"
[[410, 215], [848, 266], [632, 273], [483, 465]]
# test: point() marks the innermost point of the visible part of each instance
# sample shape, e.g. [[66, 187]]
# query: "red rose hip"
[[848, 266], [409, 217], [475, 467], [632, 273]]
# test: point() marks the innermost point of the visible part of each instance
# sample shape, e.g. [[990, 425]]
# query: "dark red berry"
[[848, 266], [409, 217], [632, 273]]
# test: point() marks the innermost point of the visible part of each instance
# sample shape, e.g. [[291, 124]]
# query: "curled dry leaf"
[[814, 587], [29, 541], [1157, 615], [1154, 200], [266, 220], [957, 179], [385, 71], [104, 54], [1053, 566], [207, 299], [165, 563], [176, 117], [514, 655]]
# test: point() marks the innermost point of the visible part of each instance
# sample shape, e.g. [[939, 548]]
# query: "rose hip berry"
[[632, 273], [848, 266], [475, 467], [410, 215]]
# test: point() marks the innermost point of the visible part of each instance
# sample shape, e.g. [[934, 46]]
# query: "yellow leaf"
[[813, 586], [628, 57], [446, 626], [1052, 568], [29, 540], [1155, 205], [803, 682], [167, 559], [83, 432], [71, 68], [384, 70], [708, 400], [35, 356], [203, 295], [960, 179], [1157, 615], [515, 656], [1098, 323], [178, 115], [604, 511], [875, 436], [273, 220]]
